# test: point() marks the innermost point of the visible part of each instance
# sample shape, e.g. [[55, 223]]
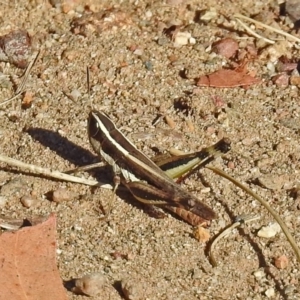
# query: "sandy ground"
[[137, 74]]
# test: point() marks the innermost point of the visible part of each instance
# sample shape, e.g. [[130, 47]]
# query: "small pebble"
[[281, 262], [270, 293], [62, 194], [209, 15], [259, 274], [226, 47], [182, 38], [29, 201], [90, 285], [281, 80], [132, 289], [269, 231], [16, 48], [170, 122]]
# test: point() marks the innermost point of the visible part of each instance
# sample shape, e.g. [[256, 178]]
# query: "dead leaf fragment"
[[227, 79], [27, 100], [227, 47], [28, 269], [201, 234]]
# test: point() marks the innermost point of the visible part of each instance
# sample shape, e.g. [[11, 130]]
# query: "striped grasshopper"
[[146, 181]]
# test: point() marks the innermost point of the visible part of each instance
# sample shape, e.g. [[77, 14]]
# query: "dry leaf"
[[201, 234], [28, 264], [227, 78]]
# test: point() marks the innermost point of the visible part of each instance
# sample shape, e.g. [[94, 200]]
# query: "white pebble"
[[182, 38], [269, 231], [270, 293], [192, 41], [259, 274]]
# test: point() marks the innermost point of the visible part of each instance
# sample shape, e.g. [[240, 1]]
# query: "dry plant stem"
[[294, 38], [53, 174], [250, 31], [242, 220], [265, 204], [20, 89]]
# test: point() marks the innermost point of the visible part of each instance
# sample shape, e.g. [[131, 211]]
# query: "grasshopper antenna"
[[89, 86]]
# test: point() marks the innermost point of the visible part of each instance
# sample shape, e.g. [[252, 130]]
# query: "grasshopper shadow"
[[63, 147]]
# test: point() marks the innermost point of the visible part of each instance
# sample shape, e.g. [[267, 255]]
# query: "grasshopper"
[[146, 181]]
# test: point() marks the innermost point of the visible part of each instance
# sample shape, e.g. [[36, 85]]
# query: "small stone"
[[270, 293], [227, 47], [281, 80], [209, 15], [182, 38], [90, 285], [281, 262], [269, 231], [16, 47], [192, 41], [133, 289], [259, 274], [29, 201], [62, 194]]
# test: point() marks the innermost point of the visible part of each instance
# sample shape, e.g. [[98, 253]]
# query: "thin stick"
[[240, 220], [53, 174], [20, 89], [279, 31], [250, 31], [265, 204]]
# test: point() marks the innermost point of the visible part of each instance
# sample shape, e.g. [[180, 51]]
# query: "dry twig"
[[239, 221], [279, 31], [20, 88], [50, 173]]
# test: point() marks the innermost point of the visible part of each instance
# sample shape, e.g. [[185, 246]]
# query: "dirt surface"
[[137, 73]]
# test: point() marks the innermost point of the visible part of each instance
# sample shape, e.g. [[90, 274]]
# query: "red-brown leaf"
[[28, 264], [227, 78]]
